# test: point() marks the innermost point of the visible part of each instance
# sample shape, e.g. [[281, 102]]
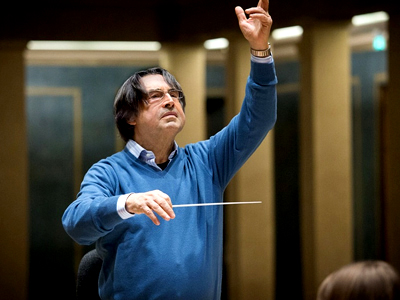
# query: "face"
[[160, 118]]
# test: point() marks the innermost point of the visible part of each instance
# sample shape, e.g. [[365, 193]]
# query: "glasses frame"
[[153, 100]]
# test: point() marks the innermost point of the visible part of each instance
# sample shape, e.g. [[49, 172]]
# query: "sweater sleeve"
[[232, 146], [94, 213]]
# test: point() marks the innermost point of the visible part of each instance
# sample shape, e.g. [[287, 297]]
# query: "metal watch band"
[[261, 53]]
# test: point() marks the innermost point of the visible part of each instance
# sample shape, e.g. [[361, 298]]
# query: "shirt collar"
[[139, 152]]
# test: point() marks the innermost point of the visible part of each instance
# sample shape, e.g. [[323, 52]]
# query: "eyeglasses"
[[156, 96]]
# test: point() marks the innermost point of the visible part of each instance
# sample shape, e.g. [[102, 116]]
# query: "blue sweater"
[[182, 258]]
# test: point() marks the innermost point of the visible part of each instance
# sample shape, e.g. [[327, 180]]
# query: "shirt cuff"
[[262, 60], [122, 212]]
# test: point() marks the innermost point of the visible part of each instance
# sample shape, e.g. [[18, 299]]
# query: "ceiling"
[[164, 21]]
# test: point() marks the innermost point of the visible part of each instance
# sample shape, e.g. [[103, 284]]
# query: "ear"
[[132, 122]]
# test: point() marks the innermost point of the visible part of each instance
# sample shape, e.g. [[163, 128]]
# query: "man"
[[124, 195]]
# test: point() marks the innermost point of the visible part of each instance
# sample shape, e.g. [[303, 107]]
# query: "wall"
[[368, 73]]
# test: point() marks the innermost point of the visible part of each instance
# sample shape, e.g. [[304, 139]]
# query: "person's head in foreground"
[[365, 280]]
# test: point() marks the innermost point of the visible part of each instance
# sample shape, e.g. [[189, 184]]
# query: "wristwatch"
[[262, 53]]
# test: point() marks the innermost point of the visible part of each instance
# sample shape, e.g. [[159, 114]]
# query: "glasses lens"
[[175, 94], [156, 96]]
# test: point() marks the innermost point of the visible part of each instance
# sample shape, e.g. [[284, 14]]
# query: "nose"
[[168, 101]]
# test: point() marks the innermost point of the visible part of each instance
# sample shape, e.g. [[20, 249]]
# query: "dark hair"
[[131, 94], [365, 280]]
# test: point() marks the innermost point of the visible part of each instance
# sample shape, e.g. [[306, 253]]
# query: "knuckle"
[[143, 207]]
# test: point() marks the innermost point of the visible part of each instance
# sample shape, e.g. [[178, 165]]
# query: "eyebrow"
[[161, 90], [155, 90]]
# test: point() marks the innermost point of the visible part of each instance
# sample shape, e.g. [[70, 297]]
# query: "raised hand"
[[256, 28]]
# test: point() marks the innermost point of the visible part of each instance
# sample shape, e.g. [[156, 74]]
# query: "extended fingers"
[[257, 11], [264, 4], [152, 208], [149, 212], [163, 207], [240, 13]]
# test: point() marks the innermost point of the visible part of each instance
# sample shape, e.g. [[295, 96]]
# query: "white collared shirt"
[[147, 156]]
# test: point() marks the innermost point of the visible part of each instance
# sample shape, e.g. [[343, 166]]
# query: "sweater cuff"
[[122, 212], [262, 60], [263, 73]]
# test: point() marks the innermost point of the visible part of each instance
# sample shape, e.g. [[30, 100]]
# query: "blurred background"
[[328, 175]]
